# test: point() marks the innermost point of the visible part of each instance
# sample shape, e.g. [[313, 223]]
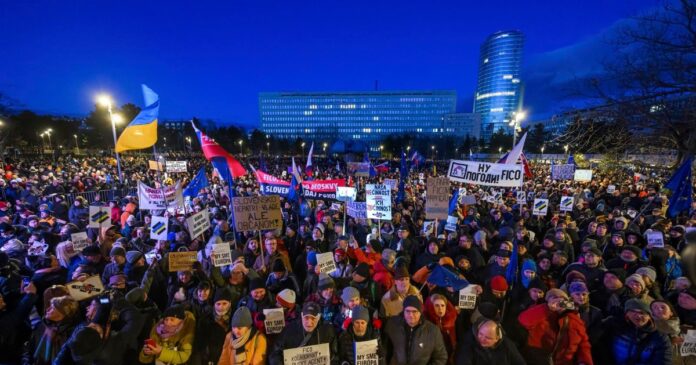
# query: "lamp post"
[[105, 100], [303, 144], [432, 149], [77, 147], [324, 149], [517, 119], [542, 151], [381, 148], [566, 150], [268, 148], [43, 141], [241, 152], [188, 140], [48, 133]]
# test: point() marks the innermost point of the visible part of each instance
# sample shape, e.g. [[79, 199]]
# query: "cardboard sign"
[[99, 217], [611, 189], [378, 201], [392, 183], [583, 175], [37, 249], [91, 287], [253, 213], [366, 352], [159, 228], [326, 263], [198, 223], [176, 166], [153, 165], [345, 193], [655, 239], [308, 355], [80, 241], [567, 203], [437, 204], [221, 255], [275, 320], [563, 172], [467, 297], [486, 173], [688, 348], [357, 210], [541, 207], [451, 224], [160, 198], [180, 261]]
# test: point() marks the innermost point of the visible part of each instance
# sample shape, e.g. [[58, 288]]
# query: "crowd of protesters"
[[588, 287]]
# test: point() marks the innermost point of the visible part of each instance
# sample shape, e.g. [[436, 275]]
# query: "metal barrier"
[[104, 195]]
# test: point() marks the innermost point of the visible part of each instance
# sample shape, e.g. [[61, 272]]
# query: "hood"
[[450, 313]]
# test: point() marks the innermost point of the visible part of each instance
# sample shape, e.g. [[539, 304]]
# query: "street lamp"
[[77, 147], [43, 141], [381, 148], [324, 148], [48, 134], [268, 148], [303, 144], [542, 151], [566, 149], [240, 147], [105, 100], [188, 139], [500, 149], [517, 119]]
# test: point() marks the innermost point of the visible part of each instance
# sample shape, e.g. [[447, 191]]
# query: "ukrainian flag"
[[142, 131]]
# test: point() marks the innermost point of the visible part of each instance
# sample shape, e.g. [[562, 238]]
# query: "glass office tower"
[[367, 116], [499, 88]]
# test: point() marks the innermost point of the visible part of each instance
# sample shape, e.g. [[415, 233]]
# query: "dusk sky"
[[210, 59]]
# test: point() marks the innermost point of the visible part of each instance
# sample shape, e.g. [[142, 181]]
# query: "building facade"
[[499, 88], [367, 116], [462, 124]]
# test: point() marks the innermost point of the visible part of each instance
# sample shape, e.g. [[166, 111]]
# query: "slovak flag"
[[383, 167], [213, 151], [308, 168], [417, 158]]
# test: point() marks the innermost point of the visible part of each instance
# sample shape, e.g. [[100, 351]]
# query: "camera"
[[566, 304]]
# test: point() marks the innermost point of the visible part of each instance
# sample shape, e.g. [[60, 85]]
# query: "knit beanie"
[[648, 271], [349, 293], [223, 294], [133, 256], [537, 283], [257, 283], [241, 318], [636, 305], [360, 312], [325, 282], [578, 287], [278, 266], [499, 283], [363, 270], [117, 251], [286, 298], [176, 311], [388, 254], [635, 278], [618, 272], [555, 293], [413, 301]]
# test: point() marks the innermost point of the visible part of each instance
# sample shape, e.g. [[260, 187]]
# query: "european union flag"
[[293, 195], [511, 270], [199, 182], [445, 278], [453, 203], [681, 187], [142, 131]]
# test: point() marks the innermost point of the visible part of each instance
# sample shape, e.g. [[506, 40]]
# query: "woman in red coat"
[[556, 332], [443, 313]]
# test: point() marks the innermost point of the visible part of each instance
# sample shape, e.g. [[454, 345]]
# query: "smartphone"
[[150, 342]]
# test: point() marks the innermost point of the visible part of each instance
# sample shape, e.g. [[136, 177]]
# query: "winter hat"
[[85, 342], [311, 309], [241, 318], [637, 279], [312, 258], [575, 275], [325, 282], [223, 294], [286, 298], [503, 253], [618, 272], [363, 270], [595, 251], [578, 287], [648, 271], [133, 256], [529, 265], [257, 283], [537, 283], [360, 312], [498, 283], [446, 261], [388, 254], [91, 250], [278, 266], [506, 233], [401, 272], [488, 310], [634, 249], [413, 301], [636, 305], [66, 305], [349, 293], [117, 251], [555, 293], [135, 296], [176, 311]]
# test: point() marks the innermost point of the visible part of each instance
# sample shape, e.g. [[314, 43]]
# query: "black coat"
[[469, 352], [426, 343], [209, 339], [346, 345], [293, 336]]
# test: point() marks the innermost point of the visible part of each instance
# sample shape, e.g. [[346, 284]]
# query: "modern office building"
[[499, 87], [462, 124], [367, 116]]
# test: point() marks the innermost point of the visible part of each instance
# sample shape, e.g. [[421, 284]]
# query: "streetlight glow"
[[117, 118], [104, 100]]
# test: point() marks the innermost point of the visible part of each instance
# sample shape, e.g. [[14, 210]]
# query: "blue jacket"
[[639, 346]]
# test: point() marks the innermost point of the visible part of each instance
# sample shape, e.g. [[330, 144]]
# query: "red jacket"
[[543, 326], [446, 324], [383, 276]]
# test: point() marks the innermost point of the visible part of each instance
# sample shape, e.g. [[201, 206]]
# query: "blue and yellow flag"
[[142, 131]]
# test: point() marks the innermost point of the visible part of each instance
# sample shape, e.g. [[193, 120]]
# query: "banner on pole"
[[252, 213], [198, 223], [358, 168], [345, 193], [271, 185], [451, 224], [567, 203], [99, 217], [378, 201], [176, 166], [541, 207], [154, 165], [392, 183], [357, 210], [321, 189], [486, 173], [437, 202], [160, 199], [655, 239], [583, 175], [563, 172], [159, 228]]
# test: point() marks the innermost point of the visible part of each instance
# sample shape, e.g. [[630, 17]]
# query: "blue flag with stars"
[[682, 189]]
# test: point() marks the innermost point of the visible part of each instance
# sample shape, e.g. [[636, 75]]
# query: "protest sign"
[[366, 352], [437, 204], [37, 248], [451, 224], [160, 198], [80, 241], [198, 223], [392, 183], [429, 228], [486, 173], [99, 217], [307, 355], [688, 348], [326, 263], [321, 189], [345, 193], [357, 210], [221, 254], [253, 213], [467, 297], [541, 207], [468, 200], [521, 197], [655, 239], [378, 201], [180, 261], [91, 287], [176, 166], [159, 228], [611, 189], [358, 168], [567, 203], [153, 165], [275, 320], [583, 175], [271, 185], [563, 172]]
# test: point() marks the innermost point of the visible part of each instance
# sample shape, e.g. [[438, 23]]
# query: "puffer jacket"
[[420, 345], [176, 349], [255, 350], [629, 345]]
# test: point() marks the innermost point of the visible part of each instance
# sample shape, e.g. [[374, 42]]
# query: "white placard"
[[688, 348], [198, 223], [583, 175], [467, 297], [160, 199], [521, 197], [275, 320], [541, 207], [99, 217], [80, 241], [655, 239], [221, 254], [567, 203], [366, 352], [37, 249], [89, 288], [468, 200], [345, 193], [326, 262], [356, 210], [159, 228], [429, 227], [611, 189], [176, 166], [486, 173], [308, 355], [451, 224], [378, 202], [392, 183]]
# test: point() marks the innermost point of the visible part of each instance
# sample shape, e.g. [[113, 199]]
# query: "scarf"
[[166, 332], [239, 342], [222, 319]]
